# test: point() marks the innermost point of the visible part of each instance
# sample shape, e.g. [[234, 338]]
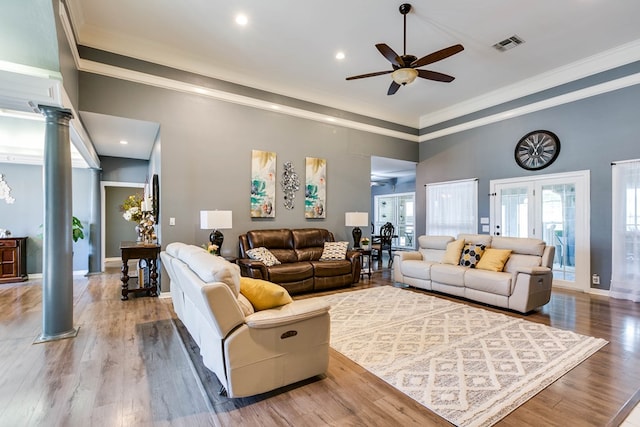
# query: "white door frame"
[[582, 180]]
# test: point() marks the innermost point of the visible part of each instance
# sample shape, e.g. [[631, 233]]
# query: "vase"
[[139, 233]]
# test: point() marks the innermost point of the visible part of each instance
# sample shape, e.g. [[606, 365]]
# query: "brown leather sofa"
[[299, 252]]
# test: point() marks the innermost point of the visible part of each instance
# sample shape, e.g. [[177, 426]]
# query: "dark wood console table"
[[13, 259], [147, 252]]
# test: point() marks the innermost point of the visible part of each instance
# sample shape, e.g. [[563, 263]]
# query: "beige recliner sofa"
[[250, 354], [523, 285]]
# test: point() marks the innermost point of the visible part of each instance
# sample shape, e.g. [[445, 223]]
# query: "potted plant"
[[364, 243], [77, 232]]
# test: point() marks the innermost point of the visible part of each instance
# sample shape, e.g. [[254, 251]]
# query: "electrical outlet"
[[595, 279], [172, 221]]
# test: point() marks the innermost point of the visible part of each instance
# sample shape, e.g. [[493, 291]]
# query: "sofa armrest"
[[253, 268], [533, 271], [356, 265], [407, 255], [352, 255], [287, 314]]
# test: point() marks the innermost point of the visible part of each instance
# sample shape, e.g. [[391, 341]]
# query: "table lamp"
[[216, 220], [356, 220]]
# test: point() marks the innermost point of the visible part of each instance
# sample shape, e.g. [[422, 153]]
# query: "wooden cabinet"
[[13, 259]]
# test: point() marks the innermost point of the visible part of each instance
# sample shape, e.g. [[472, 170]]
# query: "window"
[[452, 207]]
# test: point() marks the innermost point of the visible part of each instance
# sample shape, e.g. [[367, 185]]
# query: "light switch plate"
[[485, 228], [172, 221]]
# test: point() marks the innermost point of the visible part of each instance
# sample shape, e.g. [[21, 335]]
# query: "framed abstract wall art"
[[263, 184], [315, 192]]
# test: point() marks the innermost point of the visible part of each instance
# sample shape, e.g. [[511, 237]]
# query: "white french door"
[[554, 208]]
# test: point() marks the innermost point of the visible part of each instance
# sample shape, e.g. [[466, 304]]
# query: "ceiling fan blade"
[[362, 76], [390, 54], [434, 75], [393, 88], [437, 56]]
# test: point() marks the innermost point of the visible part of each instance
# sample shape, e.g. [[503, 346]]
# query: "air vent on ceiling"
[[509, 43]]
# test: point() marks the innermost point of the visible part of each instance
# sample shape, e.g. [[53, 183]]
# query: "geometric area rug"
[[470, 366]]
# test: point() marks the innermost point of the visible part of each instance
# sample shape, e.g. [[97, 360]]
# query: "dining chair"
[[383, 242]]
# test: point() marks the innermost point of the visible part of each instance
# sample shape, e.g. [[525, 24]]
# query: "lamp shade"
[[356, 219], [215, 220]]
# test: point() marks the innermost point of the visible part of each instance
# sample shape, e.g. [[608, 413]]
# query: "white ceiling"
[[288, 46], [109, 132]]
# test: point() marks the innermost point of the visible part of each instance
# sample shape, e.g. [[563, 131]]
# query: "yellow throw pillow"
[[493, 259], [263, 294], [453, 251]]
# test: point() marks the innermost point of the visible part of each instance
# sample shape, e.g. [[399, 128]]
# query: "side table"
[[147, 252], [365, 253]]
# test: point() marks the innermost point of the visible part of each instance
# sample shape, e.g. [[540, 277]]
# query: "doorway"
[[554, 208], [112, 195], [399, 210]]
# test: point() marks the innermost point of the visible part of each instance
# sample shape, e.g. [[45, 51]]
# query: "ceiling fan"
[[404, 67]]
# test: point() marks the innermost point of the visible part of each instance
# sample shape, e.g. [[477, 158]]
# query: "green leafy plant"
[[76, 229]]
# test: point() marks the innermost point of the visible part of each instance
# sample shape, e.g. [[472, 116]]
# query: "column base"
[[69, 334]]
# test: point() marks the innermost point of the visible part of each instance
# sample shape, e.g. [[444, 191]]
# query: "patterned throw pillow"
[[263, 254], [471, 255], [334, 251]]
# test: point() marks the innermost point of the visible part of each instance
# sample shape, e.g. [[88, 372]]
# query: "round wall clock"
[[537, 150]]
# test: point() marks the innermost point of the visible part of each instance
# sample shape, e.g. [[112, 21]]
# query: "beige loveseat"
[[250, 353], [523, 284]]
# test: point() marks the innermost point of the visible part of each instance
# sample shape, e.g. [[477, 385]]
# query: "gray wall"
[[118, 169], [593, 132], [25, 216], [65, 58], [206, 157], [117, 228]]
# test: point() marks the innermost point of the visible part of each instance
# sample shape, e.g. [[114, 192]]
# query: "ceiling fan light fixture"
[[402, 76]]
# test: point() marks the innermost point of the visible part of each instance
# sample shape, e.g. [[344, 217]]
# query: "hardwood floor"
[[127, 367]]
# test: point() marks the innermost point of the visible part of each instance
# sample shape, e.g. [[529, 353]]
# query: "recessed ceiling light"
[[340, 55], [330, 119], [241, 19], [123, 142]]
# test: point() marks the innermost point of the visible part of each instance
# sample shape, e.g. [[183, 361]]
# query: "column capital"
[[55, 114]]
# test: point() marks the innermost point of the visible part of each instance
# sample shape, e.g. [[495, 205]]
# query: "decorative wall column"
[[95, 232], [57, 273]]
